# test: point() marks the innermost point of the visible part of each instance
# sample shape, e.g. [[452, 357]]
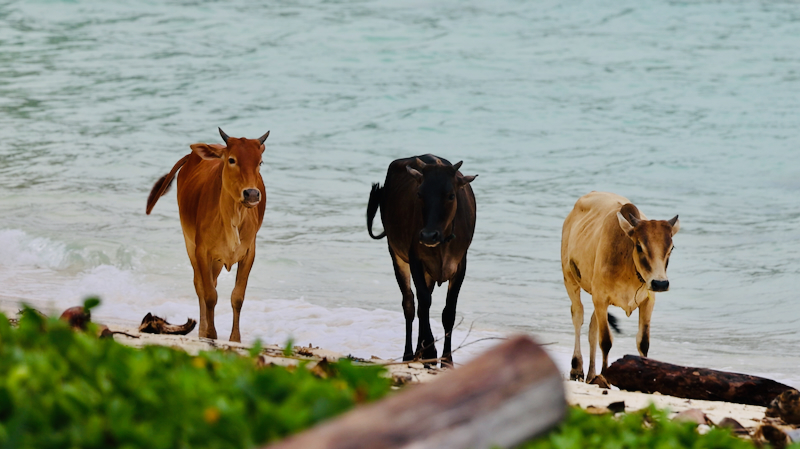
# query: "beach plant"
[[61, 388], [647, 428]]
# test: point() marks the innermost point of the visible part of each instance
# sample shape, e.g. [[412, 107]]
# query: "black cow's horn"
[[224, 136], [263, 138], [458, 165], [420, 164]]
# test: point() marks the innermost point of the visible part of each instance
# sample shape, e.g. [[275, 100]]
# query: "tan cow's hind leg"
[[645, 312], [237, 297], [574, 292], [590, 375]]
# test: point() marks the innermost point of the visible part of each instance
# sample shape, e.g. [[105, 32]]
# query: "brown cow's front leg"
[[449, 312], [237, 297], [426, 348], [645, 312], [403, 275], [209, 299]]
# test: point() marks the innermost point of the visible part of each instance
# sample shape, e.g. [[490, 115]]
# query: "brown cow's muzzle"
[[251, 197]]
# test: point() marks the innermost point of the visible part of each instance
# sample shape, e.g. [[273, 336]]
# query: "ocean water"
[[686, 108]]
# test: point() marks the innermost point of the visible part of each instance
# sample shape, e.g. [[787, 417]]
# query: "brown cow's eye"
[[231, 161], [260, 164]]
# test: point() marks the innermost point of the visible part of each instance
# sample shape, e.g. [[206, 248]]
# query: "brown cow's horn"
[[458, 165], [224, 136], [263, 138], [673, 221]]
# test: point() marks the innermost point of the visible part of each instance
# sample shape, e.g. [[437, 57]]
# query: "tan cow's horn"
[[262, 138], [224, 136]]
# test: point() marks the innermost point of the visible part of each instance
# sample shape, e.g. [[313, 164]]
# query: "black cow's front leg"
[[426, 348], [403, 275], [449, 312]]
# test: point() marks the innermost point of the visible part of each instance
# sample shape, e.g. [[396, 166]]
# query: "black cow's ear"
[[416, 174], [464, 180], [206, 151]]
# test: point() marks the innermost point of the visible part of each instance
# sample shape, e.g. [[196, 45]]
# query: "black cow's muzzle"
[[430, 238]]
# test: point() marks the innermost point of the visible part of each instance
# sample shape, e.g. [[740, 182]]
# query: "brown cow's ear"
[[627, 228], [206, 151], [417, 175], [676, 224]]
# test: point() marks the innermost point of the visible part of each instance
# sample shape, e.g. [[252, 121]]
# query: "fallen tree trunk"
[[634, 373], [509, 394]]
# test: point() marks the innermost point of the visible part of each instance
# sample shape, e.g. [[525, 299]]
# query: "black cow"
[[428, 213]]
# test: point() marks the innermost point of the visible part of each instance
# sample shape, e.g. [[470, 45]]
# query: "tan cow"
[[221, 201], [613, 252]]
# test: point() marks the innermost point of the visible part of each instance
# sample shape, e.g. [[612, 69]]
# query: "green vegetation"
[[648, 428], [61, 388]]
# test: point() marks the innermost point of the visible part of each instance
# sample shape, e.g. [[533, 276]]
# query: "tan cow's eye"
[[638, 247]]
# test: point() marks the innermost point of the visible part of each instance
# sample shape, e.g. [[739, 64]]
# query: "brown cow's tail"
[[162, 185], [372, 208]]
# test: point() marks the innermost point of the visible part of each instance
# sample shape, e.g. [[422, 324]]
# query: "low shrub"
[[60, 388], [647, 428]]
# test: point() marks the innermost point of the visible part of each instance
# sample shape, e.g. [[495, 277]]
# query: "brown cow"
[[428, 213], [617, 255], [221, 200]]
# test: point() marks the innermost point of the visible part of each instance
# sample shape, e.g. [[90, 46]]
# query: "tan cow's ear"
[[206, 151], [627, 228], [676, 224]]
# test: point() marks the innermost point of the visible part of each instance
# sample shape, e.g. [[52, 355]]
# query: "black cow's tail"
[[612, 321], [372, 208]]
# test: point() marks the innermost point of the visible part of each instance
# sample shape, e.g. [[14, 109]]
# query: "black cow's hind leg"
[[426, 348], [449, 312], [403, 275]]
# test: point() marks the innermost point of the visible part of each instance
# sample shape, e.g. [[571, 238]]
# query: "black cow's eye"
[[452, 196], [419, 195], [231, 161]]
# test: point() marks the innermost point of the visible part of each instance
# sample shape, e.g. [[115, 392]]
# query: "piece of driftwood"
[[152, 324], [634, 373], [77, 317], [507, 395]]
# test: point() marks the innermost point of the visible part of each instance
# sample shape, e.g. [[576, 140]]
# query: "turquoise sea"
[[685, 107]]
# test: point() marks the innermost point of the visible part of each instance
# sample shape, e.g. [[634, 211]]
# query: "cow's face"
[[652, 246], [437, 193], [241, 166]]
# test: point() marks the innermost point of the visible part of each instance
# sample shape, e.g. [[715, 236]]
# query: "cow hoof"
[[447, 362], [600, 381], [576, 374], [408, 356]]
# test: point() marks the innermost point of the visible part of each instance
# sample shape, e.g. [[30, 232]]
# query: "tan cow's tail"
[[162, 185]]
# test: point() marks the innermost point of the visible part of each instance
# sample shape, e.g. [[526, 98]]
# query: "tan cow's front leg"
[[237, 297], [645, 312], [209, 299], [598, 330]]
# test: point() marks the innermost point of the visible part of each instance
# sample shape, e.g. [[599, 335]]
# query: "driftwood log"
[[152, 324], [509, 394], [634, 373]]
